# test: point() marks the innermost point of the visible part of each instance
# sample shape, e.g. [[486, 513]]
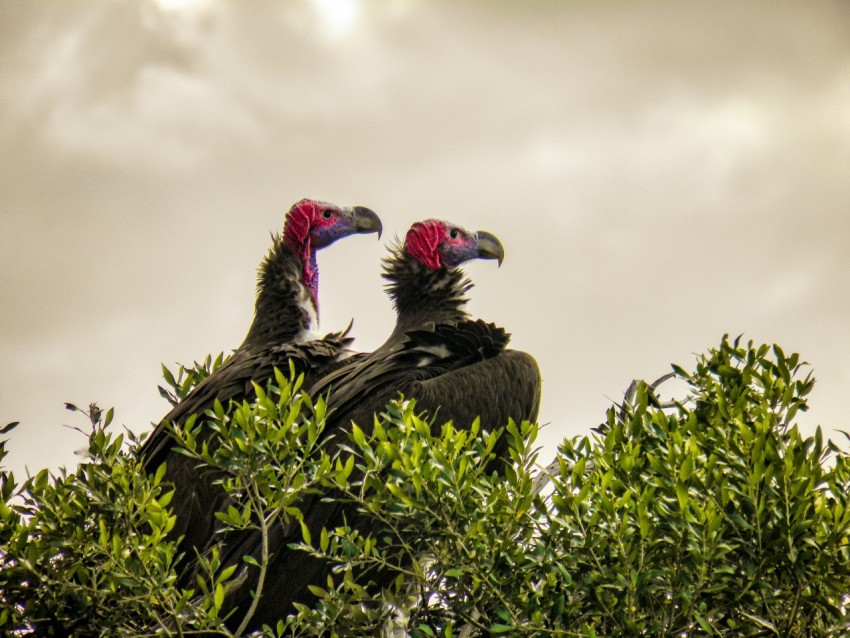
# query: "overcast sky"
[[659, 173]]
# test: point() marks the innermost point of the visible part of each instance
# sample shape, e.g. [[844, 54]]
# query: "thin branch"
[[261, 579]]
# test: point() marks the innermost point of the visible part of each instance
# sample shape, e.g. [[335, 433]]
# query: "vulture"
[[455, 367], [286, 309]]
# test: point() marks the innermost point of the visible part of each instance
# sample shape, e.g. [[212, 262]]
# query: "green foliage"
[[86, 553], [453, 526], [187, 378], [266, 456], [712, 516]]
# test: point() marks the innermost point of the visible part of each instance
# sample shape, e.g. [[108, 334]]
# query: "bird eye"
[[327, 214], [454, 233]]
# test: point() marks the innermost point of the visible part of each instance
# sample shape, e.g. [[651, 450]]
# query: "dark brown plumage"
[[454, 367], [285, 308]]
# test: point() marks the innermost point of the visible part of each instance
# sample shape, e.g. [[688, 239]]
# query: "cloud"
[[165, 120], [144, 102], [660, 173]]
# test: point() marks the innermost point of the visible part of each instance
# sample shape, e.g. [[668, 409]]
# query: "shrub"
[[712, 515]]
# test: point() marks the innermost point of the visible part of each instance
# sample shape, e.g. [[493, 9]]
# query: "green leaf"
[[9, 427], [324, 540], [357, 435], [166, 374], [682, 495], [160, 473], [226, 573], [498, 628]]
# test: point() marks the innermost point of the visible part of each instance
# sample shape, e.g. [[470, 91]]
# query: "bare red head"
[[439, 244], [311, 225]]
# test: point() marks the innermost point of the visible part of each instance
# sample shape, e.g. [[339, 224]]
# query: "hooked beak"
[[366, 221], [488, 246]]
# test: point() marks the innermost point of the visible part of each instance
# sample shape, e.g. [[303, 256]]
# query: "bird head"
[[439, 244], [311, 225]]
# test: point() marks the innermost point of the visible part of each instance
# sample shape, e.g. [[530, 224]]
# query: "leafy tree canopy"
[[709, 516]]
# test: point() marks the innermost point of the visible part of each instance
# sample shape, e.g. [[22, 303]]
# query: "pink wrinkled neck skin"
[[310, 278], [423, 240], [296, 229], [296, 235]]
